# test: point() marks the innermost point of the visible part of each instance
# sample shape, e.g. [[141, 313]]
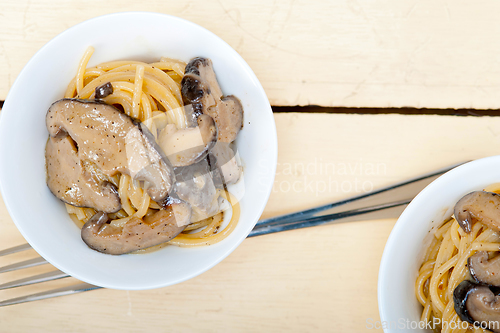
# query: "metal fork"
[[387, 202]]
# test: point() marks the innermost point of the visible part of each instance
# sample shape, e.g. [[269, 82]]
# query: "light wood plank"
[[321, 279], [378, 53]]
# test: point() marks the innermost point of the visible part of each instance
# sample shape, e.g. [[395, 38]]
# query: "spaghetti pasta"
[[445, 266], [144, 91]]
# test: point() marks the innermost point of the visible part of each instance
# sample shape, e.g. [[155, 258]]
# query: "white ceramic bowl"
[[42, 218], [398, 306]]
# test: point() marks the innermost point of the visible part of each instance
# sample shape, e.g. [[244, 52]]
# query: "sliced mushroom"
[[72, 183], [229, 118], [478, 305], [112, 141], [103, 90], [485, 270], [196, 186], [137, 233], [203, 68], [189, 145], [478, 206], [224, 158], [200, 88]]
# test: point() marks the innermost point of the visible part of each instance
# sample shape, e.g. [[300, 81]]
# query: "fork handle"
[[384, 211]]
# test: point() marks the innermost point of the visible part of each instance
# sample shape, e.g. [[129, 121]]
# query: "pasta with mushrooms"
[[141, 153]]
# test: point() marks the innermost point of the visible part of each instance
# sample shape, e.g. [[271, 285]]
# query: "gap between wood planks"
[[405, 110]]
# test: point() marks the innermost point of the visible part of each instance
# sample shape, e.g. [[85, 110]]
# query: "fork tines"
[[39, 278]]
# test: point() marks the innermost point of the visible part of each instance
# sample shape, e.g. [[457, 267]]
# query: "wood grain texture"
[[321, 279], [355, 53]]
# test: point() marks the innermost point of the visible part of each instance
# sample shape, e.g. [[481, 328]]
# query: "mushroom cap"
[[484, 270], [71, 182], [136, 234], [478, 206], [199, 88], [203, 68], [113, 142], [478, 305], [229, 118]]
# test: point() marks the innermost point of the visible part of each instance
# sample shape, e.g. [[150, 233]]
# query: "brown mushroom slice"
[[68, 180], [478, 305], [485, 270], [478, 206], [158, 178], [229, 118], [186, 146], [137, 233], [199, 87], [203, 68], [112, 141], [195, 185], [224, 158], [103, 90]]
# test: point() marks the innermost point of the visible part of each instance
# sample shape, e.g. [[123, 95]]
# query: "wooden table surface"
[[346, 53]]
